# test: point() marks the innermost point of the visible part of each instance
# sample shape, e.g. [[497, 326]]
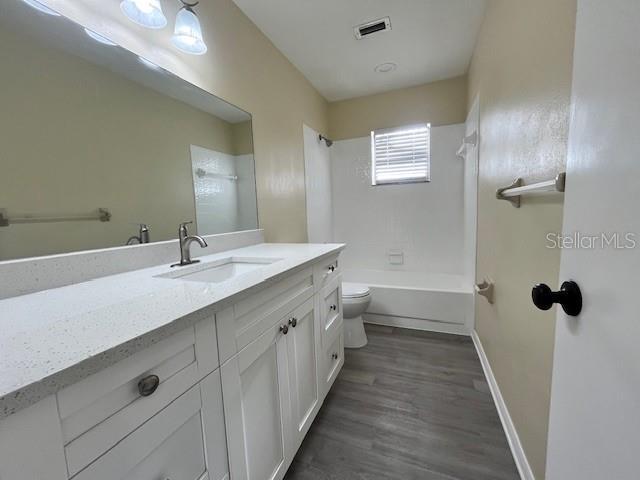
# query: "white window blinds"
[[401, 155]]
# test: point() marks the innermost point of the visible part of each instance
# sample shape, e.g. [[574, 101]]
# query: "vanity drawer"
[[171, 445], [326, 271], [333, 361], [331, 309], [97, 412], [243, 323]]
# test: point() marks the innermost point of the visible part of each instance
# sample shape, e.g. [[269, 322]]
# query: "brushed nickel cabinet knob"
[[148, 385]]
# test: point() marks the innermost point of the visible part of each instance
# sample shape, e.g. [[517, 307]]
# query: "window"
[[401, 155]]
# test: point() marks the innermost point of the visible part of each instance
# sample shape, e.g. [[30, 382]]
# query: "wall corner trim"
[[517, 451]]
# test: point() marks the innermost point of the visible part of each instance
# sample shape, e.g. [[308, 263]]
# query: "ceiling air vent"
[[369, 28]]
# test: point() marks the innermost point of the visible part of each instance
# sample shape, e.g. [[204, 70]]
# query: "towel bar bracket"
[[515, 201], [514, 192]]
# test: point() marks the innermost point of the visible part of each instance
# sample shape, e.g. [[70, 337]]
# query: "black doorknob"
[[569, 297]]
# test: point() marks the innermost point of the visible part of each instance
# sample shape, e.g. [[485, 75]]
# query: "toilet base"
[[354, 334]]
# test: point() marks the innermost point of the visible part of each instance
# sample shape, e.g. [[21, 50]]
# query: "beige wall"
[[438, 103], [244, 68], [242, 138], [521, 69], [77, 137]]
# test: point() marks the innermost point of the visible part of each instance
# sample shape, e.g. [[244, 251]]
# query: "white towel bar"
[[102, 215], [203, 173]]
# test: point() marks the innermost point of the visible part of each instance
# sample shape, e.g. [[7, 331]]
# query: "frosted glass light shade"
[[147, 13], [187, 35]]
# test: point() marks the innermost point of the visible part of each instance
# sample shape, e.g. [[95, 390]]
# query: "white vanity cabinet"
[[272, 394], [183, 441], [303, 352], [131, 419], [155, 415], [229, 398], [31, 444], [257, 408], [274, 386]]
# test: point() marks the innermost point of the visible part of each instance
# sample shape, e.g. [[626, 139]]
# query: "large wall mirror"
[[96, 140]]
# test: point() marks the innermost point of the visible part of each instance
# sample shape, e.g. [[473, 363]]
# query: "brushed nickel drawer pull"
[[148, 385]]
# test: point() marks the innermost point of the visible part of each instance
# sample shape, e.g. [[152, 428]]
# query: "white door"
[[594, 430], [257, 409], [303, 342]]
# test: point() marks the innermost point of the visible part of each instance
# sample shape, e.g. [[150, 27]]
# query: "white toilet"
[[355, 300]]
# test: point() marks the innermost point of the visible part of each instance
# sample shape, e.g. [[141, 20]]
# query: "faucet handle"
[[183, 228], [141, 225]]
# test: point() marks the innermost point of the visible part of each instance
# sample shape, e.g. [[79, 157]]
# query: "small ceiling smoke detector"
[[369, 28], [385, 67]]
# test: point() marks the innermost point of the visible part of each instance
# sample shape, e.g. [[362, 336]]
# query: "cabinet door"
[[177, 443], [257, 408], [31, 446], [303, 347], [332, 362], [331, 306]]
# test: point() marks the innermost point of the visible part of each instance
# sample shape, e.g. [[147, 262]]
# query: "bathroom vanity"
[[113, 365], [210, 371]]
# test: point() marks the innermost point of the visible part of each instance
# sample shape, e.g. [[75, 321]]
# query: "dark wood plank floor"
[[410, 405]]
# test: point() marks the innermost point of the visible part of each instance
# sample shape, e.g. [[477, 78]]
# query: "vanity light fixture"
[[41, 8], [187, 35], [99, 38], [147, 13]]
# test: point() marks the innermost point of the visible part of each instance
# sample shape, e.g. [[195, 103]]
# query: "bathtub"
[[422, 301]]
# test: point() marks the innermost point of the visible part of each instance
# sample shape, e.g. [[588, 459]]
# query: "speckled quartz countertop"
[[53, 338]]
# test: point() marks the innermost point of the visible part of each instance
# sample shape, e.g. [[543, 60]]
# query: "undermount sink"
[[220, 270]]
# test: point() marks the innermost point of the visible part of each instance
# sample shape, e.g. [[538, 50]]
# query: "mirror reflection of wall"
[[224, 185], [88, 126]]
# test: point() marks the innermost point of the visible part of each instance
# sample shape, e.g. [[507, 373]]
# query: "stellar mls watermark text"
[[579, 240]]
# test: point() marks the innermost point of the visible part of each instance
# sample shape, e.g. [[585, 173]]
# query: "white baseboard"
[[507, 424], [416, 324]]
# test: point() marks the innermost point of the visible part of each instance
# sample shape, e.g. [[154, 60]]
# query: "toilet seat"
[[354, 290]]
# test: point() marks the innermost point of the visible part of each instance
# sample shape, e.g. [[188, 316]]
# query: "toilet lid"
[[354, 290]]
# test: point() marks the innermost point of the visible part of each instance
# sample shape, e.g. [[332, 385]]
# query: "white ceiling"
[[430, 40]]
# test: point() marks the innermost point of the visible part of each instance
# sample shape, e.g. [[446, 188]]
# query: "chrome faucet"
[[185, 245], [143, 235]]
